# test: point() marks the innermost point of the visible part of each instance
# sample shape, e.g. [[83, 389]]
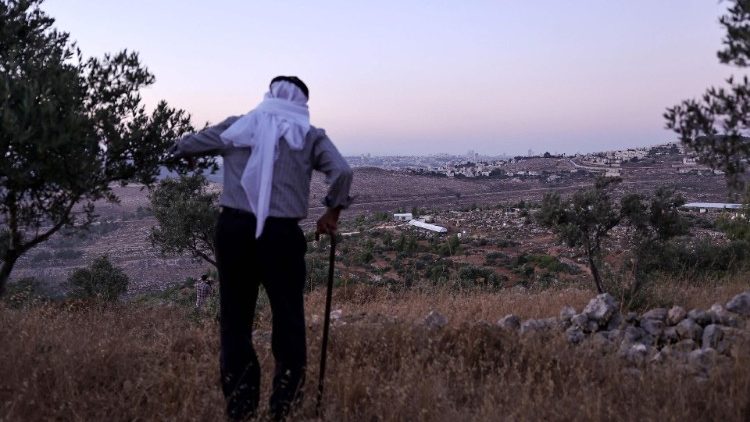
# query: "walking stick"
[[326, 324]]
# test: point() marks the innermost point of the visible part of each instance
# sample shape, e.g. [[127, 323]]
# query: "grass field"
[[158, 361]]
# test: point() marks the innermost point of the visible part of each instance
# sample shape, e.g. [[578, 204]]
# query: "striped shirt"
[[292, 171]]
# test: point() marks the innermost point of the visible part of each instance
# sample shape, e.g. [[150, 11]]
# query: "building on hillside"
[[612, 172], [703, 207], [404, 216], [427, 226]]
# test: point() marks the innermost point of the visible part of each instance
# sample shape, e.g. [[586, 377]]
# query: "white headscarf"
[[282, 113]]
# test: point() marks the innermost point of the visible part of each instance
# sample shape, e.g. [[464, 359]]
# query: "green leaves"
[[99, 280], [186, 212], [70, 128], [717, 125]]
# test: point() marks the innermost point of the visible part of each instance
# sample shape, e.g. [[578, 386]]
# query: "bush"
[[100, 280], [24, 293], [471, 276]]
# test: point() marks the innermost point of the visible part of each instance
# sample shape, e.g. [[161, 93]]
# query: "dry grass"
[[137, 362]]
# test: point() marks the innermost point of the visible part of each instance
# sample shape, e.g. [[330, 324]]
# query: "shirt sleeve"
[[205, 142], [338, 173]]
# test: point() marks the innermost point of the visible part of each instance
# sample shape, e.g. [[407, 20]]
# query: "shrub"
[[100, 280]]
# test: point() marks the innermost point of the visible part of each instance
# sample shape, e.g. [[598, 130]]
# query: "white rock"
[[435, 320], [689, 329], [702, 359], [509, 322], [675, 315], [712, 335], [740, 304], [574, 335], [656, 313], [654, 327], [566, 313], [601, 308], [336, 314], [700, 316]]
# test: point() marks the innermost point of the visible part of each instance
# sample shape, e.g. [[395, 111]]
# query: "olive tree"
[[717, 125], [186, 213], [70, 129], [583, 221]]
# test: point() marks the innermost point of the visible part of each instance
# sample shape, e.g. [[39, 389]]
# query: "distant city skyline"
[[418, 78]]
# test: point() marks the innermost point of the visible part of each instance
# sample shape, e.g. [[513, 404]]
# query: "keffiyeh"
[[283, 113]]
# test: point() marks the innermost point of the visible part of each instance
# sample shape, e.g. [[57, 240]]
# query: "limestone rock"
[[509, 322], [574, 335], [536, 325], [615, 321], [659, 314], [670, 335], [566, 313], [601, 308], [712, 335], [740, 304], [653, 326], [700, 316], [675, 315], [637, 353], [435, 320], [702, 359], [685, 346], [633, 334], [689, 329]]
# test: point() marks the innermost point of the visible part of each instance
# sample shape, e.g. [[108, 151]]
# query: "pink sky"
[[392, 77]]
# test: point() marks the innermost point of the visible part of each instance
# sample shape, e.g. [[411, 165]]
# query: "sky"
[[421, 77]]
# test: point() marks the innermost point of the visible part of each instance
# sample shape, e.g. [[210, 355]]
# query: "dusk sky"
[[423, 77]]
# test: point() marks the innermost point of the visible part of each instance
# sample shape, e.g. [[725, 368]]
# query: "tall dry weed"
[[78, 361]]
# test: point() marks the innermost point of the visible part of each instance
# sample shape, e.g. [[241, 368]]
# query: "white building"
[[406, 216], [427, 226]]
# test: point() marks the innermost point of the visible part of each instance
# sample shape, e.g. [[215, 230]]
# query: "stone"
[[574, 335], [702, 359], [509, 322], [740, 304], [675, 315], [689, 329], [670, 335], [435, 320], [700, 316], [336, 314], [615, 321], [631, 317], [712, 335], [579, 320], [536, 325], [652, 326], [659, 314], [633, 334], [719, 315], [685, 346], [566, 313], [601, 308], [601, 340], [637, 353]]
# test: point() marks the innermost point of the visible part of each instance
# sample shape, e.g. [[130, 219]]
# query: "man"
[[269, 155], [203, 290]]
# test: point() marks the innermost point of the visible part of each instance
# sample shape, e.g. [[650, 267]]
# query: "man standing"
[[269, 155], [203, 290]]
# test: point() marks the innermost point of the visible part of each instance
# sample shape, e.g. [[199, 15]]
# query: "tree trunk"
[[595, 272], [5, 270]]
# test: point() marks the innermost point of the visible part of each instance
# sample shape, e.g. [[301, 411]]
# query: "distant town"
[[475, 165]]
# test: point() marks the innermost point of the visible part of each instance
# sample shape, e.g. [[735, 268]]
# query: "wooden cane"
[[326, 324]]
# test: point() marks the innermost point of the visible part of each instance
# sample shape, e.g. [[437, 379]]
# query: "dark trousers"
[[277, 261]]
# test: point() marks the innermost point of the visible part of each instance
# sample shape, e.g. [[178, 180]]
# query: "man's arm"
[[339, 178], [205, 142]]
